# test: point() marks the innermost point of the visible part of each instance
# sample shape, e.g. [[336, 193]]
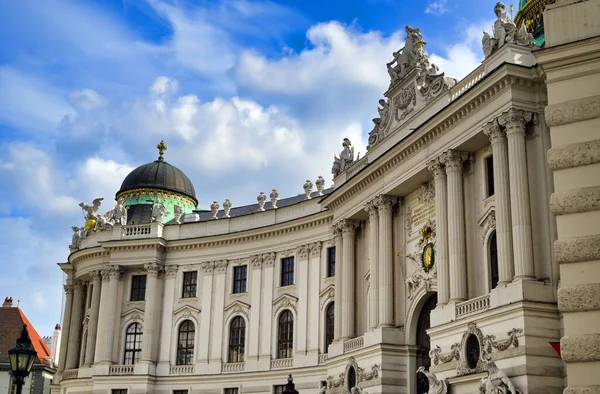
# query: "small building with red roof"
[[12, 320]]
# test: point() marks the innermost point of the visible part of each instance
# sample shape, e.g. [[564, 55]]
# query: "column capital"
[[336, 229], [96, 275], [371, 208], [256, 262], [114, 272], [436, 168], [68, 289], [152, 269], [514, 120], [494, 132], [348, 226], [208, 267], [171, 271], [221, 266], [315, 249], [454, 160], [78, 285], [302, 251], [384, 202]]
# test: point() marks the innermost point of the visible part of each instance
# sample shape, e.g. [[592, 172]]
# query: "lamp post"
[[290, 387], [21, 359]]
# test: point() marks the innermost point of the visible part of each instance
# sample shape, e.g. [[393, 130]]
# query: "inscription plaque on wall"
[[420, 209]]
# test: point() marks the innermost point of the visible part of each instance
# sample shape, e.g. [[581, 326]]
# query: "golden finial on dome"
[[162, 147]]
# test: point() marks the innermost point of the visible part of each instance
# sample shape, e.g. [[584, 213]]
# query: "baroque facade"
[[428, 267]]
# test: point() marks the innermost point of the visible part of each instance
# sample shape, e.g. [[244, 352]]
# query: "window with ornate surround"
[[287, 271], [190, 284]]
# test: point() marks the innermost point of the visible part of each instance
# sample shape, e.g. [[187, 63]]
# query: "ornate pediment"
[[487, 222], [326, 295], [133, 314], [237, 307], [284, 301], [186, 311], [415, 82]]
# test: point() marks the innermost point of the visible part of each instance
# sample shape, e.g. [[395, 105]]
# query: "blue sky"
[[249, 96]]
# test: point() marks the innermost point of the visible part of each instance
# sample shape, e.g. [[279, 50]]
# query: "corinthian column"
[[386, 261], [453, 160], [441, 219], [92, 330], [502, 196], [371, 208], [348, 287], [337, 306], [149, 312], [75, 326], [514, 121], [66, 324], [107, 314]]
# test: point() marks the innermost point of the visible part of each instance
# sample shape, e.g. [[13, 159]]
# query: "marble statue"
[[345, 160], [436, 386], [178, 212], [308, 185], [214, 209], [227, 207], [159, 211], [505, 31], [383, 113], [262, 198], [412, 55], [496, 382], [105, 222], [76, 239], [119, 214], [274, 198], [320, 182]]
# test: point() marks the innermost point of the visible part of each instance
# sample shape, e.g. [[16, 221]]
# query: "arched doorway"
[[423, 343]]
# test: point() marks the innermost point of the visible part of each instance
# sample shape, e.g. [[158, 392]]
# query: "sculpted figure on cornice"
[[412, 55], [178, 213], [308, 185], [227, 207], [75, 239], [159, 211], [345, 160], [497, 382], [320, 183], [274, 198], [261, 199], [214, 209], [436, 386], [120, 213], [505, 31]]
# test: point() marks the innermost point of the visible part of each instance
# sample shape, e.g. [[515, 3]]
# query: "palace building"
[[458, 255]]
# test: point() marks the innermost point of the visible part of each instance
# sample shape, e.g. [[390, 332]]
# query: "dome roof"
[[159, 175]]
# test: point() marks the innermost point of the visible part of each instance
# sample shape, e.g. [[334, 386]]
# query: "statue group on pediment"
[[345, 160], [95, 221], [504, 31], [411, 56]]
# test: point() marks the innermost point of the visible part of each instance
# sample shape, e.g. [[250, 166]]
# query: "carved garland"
[[361, 375]]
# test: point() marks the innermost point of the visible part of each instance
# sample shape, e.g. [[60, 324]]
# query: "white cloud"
[[86, 100], [436, 7]]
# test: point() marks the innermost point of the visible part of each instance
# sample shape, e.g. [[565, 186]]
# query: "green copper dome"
[[530, 13]]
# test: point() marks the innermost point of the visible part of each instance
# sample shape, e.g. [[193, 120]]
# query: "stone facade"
[[475, 201]]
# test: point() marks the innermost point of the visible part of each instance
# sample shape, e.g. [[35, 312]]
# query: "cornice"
[[141, 244], [320, 219], [87, 254], [490, 87]]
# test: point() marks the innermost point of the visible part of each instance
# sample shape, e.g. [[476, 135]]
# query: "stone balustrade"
[[120, 370], [472, 306], [137, 230], [233, 367], [181, 370], [354, 343], [282, 363]]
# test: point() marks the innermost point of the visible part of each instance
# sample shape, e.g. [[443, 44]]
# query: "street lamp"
[[21, 359], [290, 387]]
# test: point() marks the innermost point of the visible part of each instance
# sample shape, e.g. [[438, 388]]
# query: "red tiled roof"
[[11, 324]]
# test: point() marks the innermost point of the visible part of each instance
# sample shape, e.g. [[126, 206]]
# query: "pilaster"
[[348, 227], [74, 338], [371, 209], [216, 343], [255, 310], [314, 312], [202, 356], [337, 306], [441, 218], [167, 320], [66, 322], [386, 260], [266, 321], [92, 330], [148, 341]]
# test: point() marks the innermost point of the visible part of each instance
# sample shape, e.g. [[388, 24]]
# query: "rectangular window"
[[180, 392], [190, 280], [231, 391], [118, 391], [138, 287], [240, 275], [287, 271], [278, 389], [330, 262], [489, 171]]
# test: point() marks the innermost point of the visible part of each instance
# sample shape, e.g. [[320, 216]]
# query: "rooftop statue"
[[120, 213], [412, 55], [76, 239], [345, 160], [505, 31], [496, 382], [159, 211]]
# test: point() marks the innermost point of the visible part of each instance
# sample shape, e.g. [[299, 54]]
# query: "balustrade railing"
[[233, 367], [465, 84], [354, 343], [120, 370], [137, 230], [470, 307], [282, 363], [181, 370]]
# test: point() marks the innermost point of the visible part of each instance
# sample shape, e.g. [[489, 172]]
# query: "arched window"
[[237, 339], [185, 343], [329, 325], [133, 344], [285, 342], [494, 260]]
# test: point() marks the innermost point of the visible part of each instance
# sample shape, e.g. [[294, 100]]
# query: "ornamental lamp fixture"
[[290, 387], [21, 358]]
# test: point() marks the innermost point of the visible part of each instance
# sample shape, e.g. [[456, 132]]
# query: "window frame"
[[118, 391], [329, 325], [189, 289], [135, 351], [287, 274], [279, 388], [180, 391], [285, 334], [492, 246], [138, 290], [185, 354], [331, 262], [489, 176], [240, 284], [231, 390], [236, 351]]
